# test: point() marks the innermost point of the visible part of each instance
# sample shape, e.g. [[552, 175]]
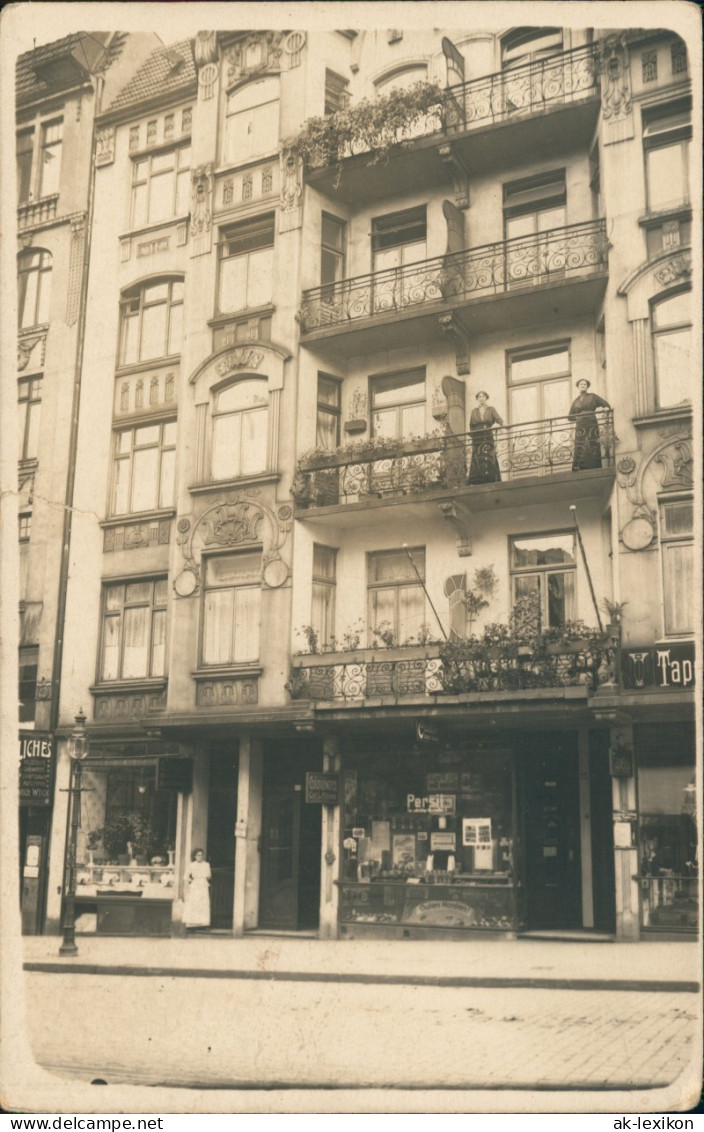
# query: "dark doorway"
[[222, 815], [291, 841], [550, 808], [600, 809]]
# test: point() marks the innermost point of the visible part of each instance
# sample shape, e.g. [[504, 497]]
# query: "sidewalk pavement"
[[569, 965]]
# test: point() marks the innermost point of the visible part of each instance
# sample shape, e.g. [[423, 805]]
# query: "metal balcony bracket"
[[458, 173], [459, 514], [451, 326]]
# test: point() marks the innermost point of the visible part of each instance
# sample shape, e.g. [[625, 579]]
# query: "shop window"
[[398, 404], [39, 161], [667, 131], [134, 630], [143, 468], [332, 250], [327, 429], [29, 402], [131, 809], [34, 287], [529, 45], [240, 429], [28, 667], [324, 588], [231, 609], [246, 265], [252, 121], [540, 380], [543, 577], [161, 185], [534, 205], [677, 551], [151, 321], [396, 597], [671, 321], [337, 94]]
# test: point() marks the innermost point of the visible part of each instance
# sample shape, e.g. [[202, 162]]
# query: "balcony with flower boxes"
[[529, 112], [515, 282], [534, 462]]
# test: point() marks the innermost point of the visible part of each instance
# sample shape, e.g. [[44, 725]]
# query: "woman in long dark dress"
[[484, 466], [587, 441]]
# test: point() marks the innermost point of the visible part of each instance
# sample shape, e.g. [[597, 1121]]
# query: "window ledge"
[[662, 416], [143, 367], [235, 482], [138, 517], [218, 670], [173, 143], [242, 316], [28, 465], [262, 159], [132, 233], [656, 219], [148, 684], [27, 331]]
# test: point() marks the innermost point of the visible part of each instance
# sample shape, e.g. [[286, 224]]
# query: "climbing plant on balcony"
[[373, 126]]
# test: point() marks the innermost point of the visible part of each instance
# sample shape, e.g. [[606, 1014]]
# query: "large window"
[[396, 597], [543, 572], [336, 92], [39, 161], [29, 400], [332, 249], [398, 404], [324, 586], [143, 468], [240, 429], [672, 344], [327, 428], [535, 205], [539, 382], [252, 121], [231, 604], [667, 131], [529, 45], [151, 322], [247, 265], [34, 287], [161, 186], [28, 668], [677, 544], [134, 630]]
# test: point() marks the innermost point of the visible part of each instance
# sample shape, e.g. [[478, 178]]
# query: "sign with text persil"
[[36, 762]]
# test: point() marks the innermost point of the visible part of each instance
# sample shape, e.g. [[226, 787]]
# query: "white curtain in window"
[[678, 563], [111, 648], [247, 605], [135, 652], [218, 625]]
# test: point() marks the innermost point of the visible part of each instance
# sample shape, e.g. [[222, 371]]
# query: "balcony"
[[37, 212], [512, 282], [530, 112], [534, 462]]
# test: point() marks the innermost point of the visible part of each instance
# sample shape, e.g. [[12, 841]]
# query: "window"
[[539, 383], [327, 430], [24, 525], [396, 597], [252, 121], [398, 404], [143, 468], [39, 161], [667, 130], [398, 240], [543, 568], [332, 249], [161, 184], [240, 429], [324, 585], [134, 630], [28, 667], [247, 265], [672, 335], [29, 401], [151, 322], [677, 542], [529, 45], [34, 287], [534, 205], [336, 92], [231, 609]]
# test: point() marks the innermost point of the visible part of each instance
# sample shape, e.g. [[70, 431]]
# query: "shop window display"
[[428, 844]]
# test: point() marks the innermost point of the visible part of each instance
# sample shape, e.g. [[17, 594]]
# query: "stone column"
[[624, 813], [248, 829], [330, 849]]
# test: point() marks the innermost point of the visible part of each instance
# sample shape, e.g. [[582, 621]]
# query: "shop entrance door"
[[552, 867], [222, 814], [290, 846]]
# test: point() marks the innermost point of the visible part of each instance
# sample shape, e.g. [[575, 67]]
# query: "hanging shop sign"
[[431, 803], [621, 761], [36, 764], [669, 666], [174, 774], [323, 789]]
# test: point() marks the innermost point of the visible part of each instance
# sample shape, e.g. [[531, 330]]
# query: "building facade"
[[382, 563]]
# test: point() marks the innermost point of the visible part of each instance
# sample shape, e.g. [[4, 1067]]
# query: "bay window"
[[231, 608], [252, 121], [143, 468], [246, 265], [151, 320], [134, 630], [240, 429]]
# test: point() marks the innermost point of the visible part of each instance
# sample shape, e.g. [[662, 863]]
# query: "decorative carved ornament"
[[457, 513], [613, 63], [201, 209], [129, 705], [205, 48], [674, 455], [104, 146], [243, 358], [227, 693], [452, 328], [25, 348], [132, 536], [290, 213], [266, 52], [679, 267]]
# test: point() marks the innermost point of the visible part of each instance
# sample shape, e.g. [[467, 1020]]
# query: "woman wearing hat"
[[484, 466], [587, 442]]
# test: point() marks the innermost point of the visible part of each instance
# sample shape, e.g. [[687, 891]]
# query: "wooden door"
[[552, 867]]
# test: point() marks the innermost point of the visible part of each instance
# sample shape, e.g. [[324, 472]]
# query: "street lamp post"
[[77, 749]]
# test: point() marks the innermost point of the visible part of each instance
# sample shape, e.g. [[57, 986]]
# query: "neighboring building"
[[289, 491], [58, 87]]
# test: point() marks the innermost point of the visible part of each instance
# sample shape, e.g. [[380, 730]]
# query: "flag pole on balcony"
[[422, 584], [573, 509]]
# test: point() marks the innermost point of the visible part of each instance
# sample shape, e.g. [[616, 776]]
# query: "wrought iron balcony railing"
[[475, 273], [415, 467], [527, 89]]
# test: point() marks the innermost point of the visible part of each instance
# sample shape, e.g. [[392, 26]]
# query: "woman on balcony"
[[484, 466], [587, 438]]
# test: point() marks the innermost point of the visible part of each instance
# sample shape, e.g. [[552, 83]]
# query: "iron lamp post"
[[77, 749]]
